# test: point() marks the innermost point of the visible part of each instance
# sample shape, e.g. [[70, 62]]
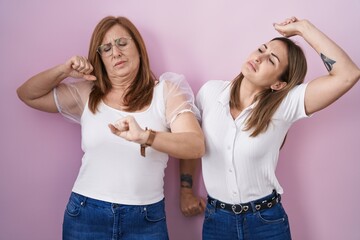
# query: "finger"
[[202, 204], [112, 128], [191, 213], [76, 65], [89, 68], [121, 124], [83, 64]]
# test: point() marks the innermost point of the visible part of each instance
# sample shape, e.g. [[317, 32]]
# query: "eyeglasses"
[[106, 50]]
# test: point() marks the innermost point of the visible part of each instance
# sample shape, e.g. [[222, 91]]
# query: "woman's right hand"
[[79, 67], [290, 27]]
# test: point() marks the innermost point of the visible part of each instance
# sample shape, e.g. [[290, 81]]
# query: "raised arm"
[[343, 73], [37, 91]]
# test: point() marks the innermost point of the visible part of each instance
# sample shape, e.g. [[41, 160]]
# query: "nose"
[[257, 59], [116, 51], [260, 57]]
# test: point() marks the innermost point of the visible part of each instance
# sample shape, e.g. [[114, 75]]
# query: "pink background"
[[40, 152]]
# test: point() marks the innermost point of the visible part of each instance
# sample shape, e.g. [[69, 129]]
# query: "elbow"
[[20, 94], [199, 148], [350, 78], [353, 76]]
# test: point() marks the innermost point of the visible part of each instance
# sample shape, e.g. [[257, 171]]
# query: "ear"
[[278, 85]]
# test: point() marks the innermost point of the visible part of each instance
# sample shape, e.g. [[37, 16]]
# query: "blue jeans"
[[267, 224], [91, 219]]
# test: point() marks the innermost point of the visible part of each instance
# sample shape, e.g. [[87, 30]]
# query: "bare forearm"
[[185, 145], [187, 169], [337, 62], [190, 204]]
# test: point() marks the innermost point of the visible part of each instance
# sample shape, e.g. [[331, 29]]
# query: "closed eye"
[[106, 47]]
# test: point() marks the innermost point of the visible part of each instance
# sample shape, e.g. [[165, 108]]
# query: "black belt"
[[243, 208]]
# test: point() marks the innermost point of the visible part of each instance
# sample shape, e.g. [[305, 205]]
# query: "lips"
[[251, 65], [119, 63]]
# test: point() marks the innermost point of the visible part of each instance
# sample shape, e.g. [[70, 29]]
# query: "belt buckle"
[[233, 207]]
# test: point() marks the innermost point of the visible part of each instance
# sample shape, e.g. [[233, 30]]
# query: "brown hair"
[[268, 100], [139, 93]]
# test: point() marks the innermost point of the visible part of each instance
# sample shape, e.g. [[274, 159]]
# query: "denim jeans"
[[267, 224], [90, 219]]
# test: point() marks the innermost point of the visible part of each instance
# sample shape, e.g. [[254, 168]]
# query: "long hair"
[[268, 101], [139, 93]]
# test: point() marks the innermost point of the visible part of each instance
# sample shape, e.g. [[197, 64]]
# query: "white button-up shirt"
[[238, 168]]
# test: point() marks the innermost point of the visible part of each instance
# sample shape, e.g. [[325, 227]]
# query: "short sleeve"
[[71, 98], [199, 98], [292, 107], [178, 97]]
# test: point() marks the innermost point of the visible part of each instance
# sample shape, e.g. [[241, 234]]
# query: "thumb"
[[277, 26], [89, 77]]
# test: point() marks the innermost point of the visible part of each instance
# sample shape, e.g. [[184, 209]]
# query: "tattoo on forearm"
[[186, 181], [328, 62]]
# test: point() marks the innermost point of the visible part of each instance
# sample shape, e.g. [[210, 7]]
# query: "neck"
[[247, 94]]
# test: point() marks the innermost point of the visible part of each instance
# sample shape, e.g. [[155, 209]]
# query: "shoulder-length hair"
[[139, 93], [268, 101]]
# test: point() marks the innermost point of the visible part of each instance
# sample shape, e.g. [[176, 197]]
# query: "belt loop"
[[82, 200], [252, 203]]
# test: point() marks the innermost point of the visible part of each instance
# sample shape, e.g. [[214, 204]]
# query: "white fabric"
[[238, 168], [112, 168]]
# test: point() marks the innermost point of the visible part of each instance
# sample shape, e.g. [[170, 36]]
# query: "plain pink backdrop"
[[40, 152]]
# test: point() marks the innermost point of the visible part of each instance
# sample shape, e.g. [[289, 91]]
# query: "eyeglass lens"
[[121, 43]]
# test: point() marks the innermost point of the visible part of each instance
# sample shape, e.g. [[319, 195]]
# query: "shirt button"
[[230, 170], [229, 147]]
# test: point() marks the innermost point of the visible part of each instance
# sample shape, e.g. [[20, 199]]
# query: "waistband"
[[253, 206], [82, 200]]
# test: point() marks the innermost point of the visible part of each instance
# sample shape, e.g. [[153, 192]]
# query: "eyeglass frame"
[[112, 45]]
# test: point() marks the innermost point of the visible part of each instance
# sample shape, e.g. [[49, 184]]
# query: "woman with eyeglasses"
[[130, 124], [245, 122]]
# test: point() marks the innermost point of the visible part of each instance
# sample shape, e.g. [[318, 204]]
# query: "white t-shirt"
[[238, 168], [112, 168]]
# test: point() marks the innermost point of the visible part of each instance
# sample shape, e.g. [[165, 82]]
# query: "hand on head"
[[289, 27]]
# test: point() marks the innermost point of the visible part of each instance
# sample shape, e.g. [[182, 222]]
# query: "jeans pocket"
[[275, 214], [74, 206], [155, 212]]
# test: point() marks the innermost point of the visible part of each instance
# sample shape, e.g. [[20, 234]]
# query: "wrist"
[[305, 28], [150, 136], [148, 139], [186, 191]]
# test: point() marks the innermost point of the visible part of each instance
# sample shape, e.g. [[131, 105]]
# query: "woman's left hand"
[[191, 205], [129, 129]]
